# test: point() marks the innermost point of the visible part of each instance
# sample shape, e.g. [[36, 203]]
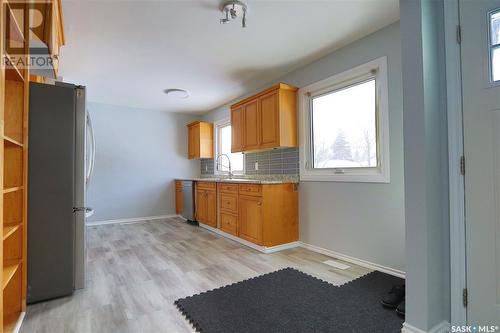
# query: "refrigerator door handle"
[[90, 170]]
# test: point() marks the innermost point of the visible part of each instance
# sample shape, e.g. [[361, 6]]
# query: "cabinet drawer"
[[229, 188], [229, 223], [206, 185], [229, 202], [250, 189]]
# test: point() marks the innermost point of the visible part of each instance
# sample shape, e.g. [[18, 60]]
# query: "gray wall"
[[362, 220], [139, 153], [426, 163]]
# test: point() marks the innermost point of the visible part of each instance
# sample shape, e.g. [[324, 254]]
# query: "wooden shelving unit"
[[14, 89]]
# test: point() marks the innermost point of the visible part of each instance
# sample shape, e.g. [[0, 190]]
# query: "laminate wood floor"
[[136, 271]]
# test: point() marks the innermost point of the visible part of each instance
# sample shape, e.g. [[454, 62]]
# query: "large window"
[[494, 45], [345, 126], [223, 146]]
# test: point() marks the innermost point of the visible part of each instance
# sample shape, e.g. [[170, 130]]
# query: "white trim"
[[263, 249], [368, 175], [131, 220], [455, 152], [355, 261], [317, 249], [19, 323], [487, 49], [221, 122], [442, 327]]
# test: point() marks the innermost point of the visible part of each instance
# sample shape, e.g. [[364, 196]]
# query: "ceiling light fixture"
[[179, 93], [232, 9]]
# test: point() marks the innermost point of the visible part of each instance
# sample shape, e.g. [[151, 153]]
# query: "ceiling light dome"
[[178, 93]]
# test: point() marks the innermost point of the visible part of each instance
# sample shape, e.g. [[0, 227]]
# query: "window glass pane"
[[225, 148], [495, 28], [344, 128], [495, 64]]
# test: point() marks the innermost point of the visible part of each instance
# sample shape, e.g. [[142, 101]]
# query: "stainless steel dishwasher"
[[188, 202]]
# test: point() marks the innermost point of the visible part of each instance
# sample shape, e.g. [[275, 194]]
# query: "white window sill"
[[328, 176]]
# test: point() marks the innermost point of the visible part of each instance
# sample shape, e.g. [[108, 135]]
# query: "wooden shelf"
[[12, 73], [16, 33], [10, 229], [12, 141], [12, 189], [9, 269]]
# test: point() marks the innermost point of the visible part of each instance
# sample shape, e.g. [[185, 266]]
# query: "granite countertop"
[[247, 180]]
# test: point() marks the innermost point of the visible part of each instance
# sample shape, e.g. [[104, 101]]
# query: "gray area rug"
[[291, 301]]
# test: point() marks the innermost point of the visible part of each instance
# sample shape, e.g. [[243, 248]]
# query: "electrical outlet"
[[256, 166]]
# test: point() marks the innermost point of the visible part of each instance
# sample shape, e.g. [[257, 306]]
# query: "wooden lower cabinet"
[[250, 219], [178, 197], [211, 209], [201, 206], [265, 215], [206, 205], [229, 223]]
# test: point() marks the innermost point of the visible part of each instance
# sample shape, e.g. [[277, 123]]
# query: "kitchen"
[[262, 211], [248, 166]]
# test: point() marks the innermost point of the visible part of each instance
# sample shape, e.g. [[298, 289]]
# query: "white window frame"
[[381, 174], [217, 125], [491, 83]]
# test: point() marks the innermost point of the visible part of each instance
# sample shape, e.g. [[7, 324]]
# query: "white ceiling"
[[128, 52]]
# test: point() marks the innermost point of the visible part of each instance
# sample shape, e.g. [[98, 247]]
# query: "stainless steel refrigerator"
[[60, 163]]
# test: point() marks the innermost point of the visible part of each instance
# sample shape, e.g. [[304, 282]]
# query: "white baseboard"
[[263, 249], [352, 260], [131, 220], [282, 247], [336, 255], [443, 327], [19, 323]]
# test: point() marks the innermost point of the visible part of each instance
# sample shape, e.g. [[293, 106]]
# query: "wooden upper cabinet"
[[269, 111], [268, 119], [49, 31], [237, 129], [200, 140], [251, 130]]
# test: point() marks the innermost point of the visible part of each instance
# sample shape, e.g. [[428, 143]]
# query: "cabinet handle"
[[259, 203]]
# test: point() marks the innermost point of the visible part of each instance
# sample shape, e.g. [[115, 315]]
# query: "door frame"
[[458, 259]]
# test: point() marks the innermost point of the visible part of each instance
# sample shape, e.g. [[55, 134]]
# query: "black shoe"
[[400, 310], [394, 297]]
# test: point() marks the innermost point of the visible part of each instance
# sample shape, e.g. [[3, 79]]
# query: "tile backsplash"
[[283, 161], [207, 166], [273, 162]]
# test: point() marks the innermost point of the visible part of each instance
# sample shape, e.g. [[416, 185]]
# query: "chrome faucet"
[[217, 163]]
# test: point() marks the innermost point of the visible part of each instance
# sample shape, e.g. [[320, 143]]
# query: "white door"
[[481, 111]]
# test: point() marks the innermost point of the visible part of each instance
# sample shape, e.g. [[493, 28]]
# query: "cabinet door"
[[178, 201], [211, 209], [201, 206], [251, 127], [237, 130], [193, 142], [229, 223], [250, 219], [269, 115]]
